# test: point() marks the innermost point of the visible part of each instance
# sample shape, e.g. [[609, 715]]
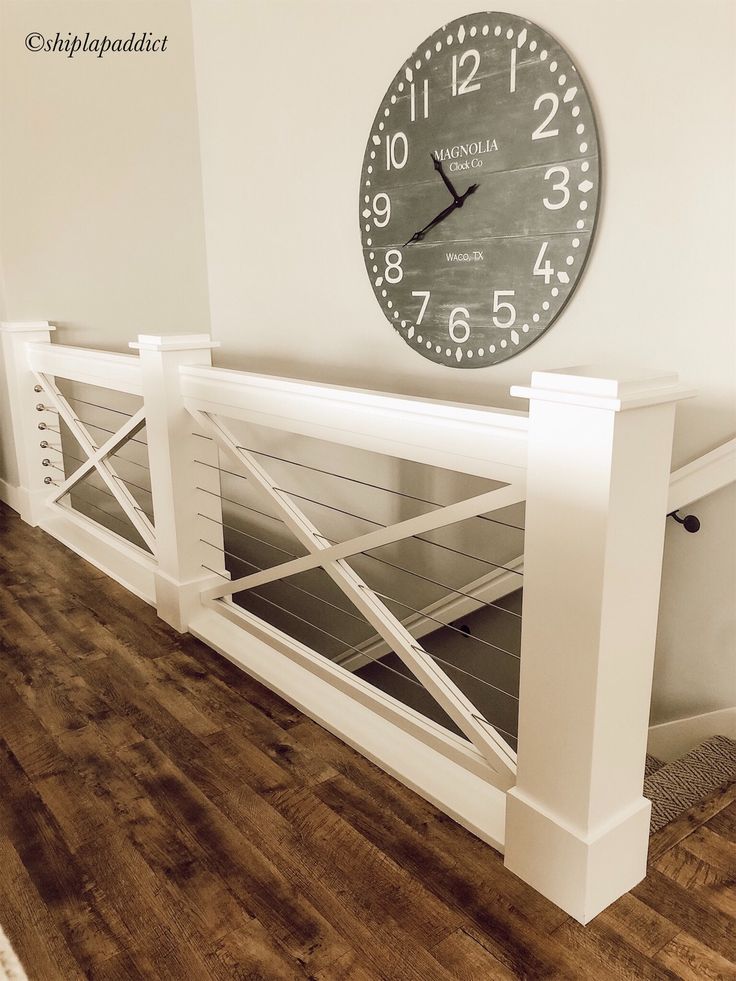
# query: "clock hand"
[[440, 170], [457, 203]]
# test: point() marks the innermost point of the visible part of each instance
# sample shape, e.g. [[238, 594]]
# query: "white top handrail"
[[703, 476], [471, 439], [120, 372]]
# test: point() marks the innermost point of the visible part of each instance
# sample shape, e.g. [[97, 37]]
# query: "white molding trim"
[[460, 792], [670, 740], [703, 476], [10, 495]]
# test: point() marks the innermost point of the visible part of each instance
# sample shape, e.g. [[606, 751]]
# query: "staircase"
[[675, 787]]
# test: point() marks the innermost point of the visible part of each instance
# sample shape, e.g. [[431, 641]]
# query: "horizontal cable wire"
[[123, 480], [104, 490], [418, 575], [111, 458], [96, 405], [348, 613], [112, 432], [123, 521], [442, 623], [363, 483], [418, 538], [238, 504], [221, 469], [237, 531], [239, 558]]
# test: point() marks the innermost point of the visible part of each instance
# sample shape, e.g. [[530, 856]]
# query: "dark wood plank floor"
[[163, 816]]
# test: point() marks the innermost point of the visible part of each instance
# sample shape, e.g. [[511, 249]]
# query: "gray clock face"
[[479, 190]]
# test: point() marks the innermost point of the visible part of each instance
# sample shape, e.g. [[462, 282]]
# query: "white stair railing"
[[591, 460]]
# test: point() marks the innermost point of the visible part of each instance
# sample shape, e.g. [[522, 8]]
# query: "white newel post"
[[31, 492], [577, 825], [175, 476]]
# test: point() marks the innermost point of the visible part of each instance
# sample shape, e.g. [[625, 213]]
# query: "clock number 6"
[[394, 273], [459, 327], [499, 305], [560, 186]]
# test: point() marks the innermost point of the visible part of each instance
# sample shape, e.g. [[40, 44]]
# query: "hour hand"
[[441, 171]]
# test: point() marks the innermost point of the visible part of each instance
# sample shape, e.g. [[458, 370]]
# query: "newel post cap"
[[173, 342], [596, 387]]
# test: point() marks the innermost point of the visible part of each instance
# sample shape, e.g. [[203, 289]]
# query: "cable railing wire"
[[246, 534], [96, 405]]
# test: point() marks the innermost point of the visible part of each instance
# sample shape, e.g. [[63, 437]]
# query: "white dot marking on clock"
[[380, 280], [580, 223], [562, 79], [583, 205], [427, 54], [429, 344], [448, 352], [580, 129], [367, 183], [492, 349], [473, 30], [535, 318], [570, 259], [553, 66], [542, 55], [390, 304], [509, 33], [555, 291], [503, 342], [375, 269], [585, 166], [401, 86], [403, 324], [458, 354], [533, 46], [369, 241], [370, 169], [576, 243], [525, 328], [373, 154], [367, 199], [438, 46], [576, 110], [372, 255], [480, 352], [583, 147], [438, 350], [410, 332], [417, 64], [386, 111], [545, 305], [448, 39], [461, 34], [393, 100], [497, 31], [396, 314], [384, 293], [367, 228], [485, 30], [380, 125]]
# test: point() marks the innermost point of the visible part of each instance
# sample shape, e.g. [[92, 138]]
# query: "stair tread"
[[652, 764], [677, 786]]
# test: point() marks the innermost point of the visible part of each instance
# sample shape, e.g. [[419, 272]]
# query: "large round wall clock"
[[479, 190]]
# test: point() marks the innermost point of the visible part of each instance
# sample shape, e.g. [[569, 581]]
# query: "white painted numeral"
[[512, 76], [560, 186], [499, 305], [540, 133], [426, 294], [458, 326], [397, 151], [413, 100], [394, 273], [381, 210], [545, 270], [465, 86]]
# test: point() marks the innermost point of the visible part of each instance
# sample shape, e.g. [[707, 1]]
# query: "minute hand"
[[458, 203]]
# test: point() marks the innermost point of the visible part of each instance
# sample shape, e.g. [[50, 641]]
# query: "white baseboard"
[[670, 740], [9, 495]]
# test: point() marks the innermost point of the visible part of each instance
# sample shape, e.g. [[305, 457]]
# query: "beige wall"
[[287, 91], [102, 228], [103, 233]]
